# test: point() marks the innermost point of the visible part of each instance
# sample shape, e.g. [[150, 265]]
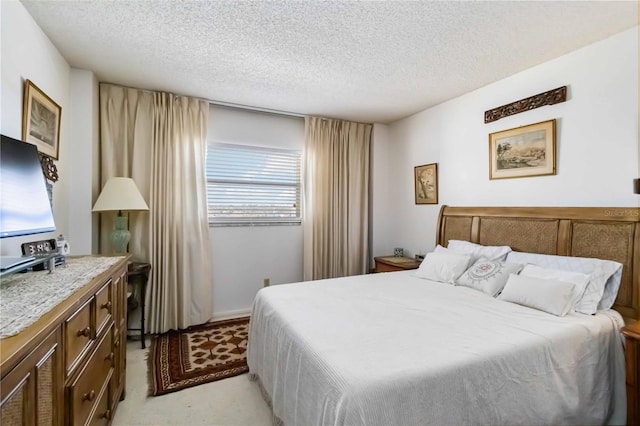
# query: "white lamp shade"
[[120, 193]]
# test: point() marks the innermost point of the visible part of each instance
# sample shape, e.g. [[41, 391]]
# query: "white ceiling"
[[364, 61]]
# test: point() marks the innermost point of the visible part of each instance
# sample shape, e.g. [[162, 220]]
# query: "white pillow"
[[488, 276], [549, 296], [440, 249], [600, 271], [611, 288], [477, 250], [578, 278], [443, 267]]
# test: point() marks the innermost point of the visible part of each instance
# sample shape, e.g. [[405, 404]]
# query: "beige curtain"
[[159, 140], [336, 198]]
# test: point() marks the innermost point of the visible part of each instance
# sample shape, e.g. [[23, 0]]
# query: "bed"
[[395, 349]]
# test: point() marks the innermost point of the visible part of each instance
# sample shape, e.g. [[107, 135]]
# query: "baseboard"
[[231, 314]]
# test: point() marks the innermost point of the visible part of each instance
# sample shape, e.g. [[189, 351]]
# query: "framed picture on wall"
[[426, 183], [523, 151], [41, 120]]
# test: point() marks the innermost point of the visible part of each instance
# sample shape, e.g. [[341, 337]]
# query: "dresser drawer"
[[84, 392], [78, 336], [383, 267], [104, 304], [102, 414]]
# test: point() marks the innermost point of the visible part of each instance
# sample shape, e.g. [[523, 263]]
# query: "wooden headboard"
[[601, 232]]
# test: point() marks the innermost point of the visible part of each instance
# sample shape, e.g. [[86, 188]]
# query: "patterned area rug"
[[199, 354]]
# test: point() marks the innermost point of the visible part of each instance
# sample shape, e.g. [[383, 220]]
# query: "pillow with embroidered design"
[[488, 276]]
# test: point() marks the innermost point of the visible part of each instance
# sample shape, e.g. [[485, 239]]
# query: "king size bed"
[[393, 348]]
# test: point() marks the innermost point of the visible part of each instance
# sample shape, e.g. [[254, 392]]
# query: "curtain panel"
[[336, 198], [159, 140]]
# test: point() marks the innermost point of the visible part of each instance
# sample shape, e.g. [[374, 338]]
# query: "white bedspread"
[[392, 349]]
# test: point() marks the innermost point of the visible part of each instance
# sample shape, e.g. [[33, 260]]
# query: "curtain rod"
[[275, 111], [233, 105], [256, 109], [219, 103]]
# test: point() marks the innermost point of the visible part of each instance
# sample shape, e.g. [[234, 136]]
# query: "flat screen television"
[[25, 208]]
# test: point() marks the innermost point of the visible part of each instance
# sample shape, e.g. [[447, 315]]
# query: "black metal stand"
[[141, 270]]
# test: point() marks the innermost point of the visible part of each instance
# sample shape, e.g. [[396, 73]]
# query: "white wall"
[[27, 53], [382, 184], [244, 256], [597, 144], [83, 163]]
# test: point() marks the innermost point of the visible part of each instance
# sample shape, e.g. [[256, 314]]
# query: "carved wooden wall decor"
[[551, 97], [48, 167]]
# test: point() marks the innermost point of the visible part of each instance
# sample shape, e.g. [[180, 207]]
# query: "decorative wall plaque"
[[48, 167], [551, 97]]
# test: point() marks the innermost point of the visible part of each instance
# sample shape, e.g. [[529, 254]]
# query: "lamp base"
[[120, 235]]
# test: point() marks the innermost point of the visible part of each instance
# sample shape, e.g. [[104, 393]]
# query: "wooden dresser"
[[68, 368]]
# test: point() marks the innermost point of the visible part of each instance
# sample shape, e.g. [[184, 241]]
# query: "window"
[[248, 185]]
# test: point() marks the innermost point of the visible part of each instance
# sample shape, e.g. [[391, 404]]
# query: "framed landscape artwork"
[[40, 120], [426, 183], [523, 151]]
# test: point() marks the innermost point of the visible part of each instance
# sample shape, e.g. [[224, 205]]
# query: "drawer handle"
[[90, 396], [109, 357], [107, 415], [116, 344], [106, 305], [86, 332]]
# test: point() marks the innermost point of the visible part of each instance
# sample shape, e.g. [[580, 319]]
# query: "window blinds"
[[249, 185]]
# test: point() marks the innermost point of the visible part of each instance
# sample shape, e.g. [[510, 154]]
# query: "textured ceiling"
[[364, 61]]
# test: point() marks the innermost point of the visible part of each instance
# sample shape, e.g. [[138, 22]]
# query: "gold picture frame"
[[426, 183], [523, 151], [41, 120]]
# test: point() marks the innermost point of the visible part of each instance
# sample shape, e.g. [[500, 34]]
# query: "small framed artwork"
[[426, 183], [41, 120], [524, 151]]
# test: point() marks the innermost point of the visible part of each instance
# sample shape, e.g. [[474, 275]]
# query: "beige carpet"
[[233, 401]]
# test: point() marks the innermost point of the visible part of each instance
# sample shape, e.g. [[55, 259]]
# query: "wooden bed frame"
[[600, 232]]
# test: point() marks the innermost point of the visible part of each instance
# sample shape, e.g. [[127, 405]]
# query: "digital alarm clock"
[[35, 248]]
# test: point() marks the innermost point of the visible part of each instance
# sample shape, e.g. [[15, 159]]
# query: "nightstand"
[[632, 360], [395, 263], [140, 274]]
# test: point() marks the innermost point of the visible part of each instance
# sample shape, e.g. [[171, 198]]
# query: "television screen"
[[24, 204]]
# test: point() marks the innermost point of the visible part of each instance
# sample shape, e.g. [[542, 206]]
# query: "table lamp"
[[118, 194]]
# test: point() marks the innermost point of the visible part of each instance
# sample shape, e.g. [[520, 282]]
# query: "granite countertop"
[[24, 298]]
